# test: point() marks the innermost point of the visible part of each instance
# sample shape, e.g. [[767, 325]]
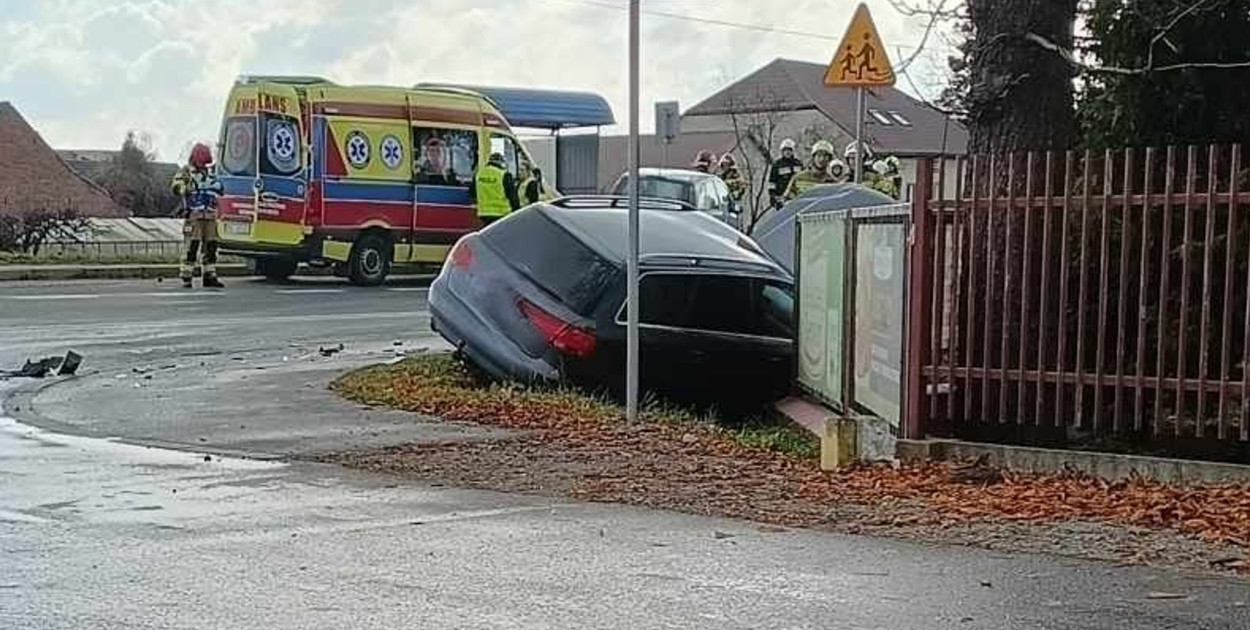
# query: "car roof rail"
[[719, 262], [248, 79], [620, 201]]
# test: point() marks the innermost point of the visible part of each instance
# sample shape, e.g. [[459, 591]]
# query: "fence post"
[[919, 301]]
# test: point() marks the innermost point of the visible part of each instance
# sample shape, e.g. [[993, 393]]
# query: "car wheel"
[[370, 261], [276, 269]]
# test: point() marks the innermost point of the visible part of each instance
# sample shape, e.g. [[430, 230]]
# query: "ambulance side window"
[[281, 153], [445, 157], [506, 146]]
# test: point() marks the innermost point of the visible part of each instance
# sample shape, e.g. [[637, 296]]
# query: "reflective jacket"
[[805, 181], [496, 191], [198, 191]]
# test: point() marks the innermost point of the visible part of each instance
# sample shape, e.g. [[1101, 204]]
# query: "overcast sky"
[[86, 71]]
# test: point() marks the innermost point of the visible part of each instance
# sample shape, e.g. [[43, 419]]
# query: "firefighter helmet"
[[788, 143], [822, 146], [201, 155]]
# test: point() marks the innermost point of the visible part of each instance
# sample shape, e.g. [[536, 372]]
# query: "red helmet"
[[201, 155]]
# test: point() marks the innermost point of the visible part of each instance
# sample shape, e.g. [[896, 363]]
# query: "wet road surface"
[[236, 371], [95, 533]]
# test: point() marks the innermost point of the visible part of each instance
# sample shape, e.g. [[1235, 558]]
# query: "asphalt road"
[[104, 533], [234, 371]]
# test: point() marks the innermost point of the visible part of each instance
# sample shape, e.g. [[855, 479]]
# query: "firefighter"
[[732, 177], [496, 190], [782, 171], [883, 177], [852, 155], [703, 161], [198, 188], [816, 173], [838, 172]]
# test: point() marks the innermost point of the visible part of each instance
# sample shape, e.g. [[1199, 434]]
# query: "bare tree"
[[759, 122], [27, 232]]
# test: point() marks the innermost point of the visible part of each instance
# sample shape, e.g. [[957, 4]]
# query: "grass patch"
[[441, 385]]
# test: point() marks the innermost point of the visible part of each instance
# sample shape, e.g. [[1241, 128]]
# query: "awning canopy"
[[544, 109]]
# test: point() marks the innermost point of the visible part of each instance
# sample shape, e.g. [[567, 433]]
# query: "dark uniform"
[[779, 176]]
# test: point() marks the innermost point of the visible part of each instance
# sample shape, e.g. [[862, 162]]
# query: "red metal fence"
[[1083, 299]]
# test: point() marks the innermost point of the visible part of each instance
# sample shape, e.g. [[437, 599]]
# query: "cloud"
[[87, 71]]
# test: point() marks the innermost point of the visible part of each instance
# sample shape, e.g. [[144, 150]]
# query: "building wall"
[[542, 149]]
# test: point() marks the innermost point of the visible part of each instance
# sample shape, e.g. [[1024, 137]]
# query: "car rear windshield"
[[742, 305], [659, 188], [552, 258]]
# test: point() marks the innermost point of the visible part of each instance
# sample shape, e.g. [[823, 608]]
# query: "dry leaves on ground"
[[578, 446]]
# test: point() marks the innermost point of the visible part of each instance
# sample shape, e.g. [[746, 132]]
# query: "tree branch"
[[1088, 68], [935, 14]]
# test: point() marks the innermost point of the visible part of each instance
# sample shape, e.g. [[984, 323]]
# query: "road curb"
[[37, 273], [1109, 466], [48, 273]]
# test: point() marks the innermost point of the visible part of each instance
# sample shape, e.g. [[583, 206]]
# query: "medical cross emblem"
[[358, 149], [283, 142], [392, 152]]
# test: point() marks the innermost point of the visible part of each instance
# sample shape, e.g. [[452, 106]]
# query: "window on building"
[[900, 119]]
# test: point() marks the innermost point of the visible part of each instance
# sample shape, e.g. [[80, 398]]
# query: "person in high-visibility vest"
[[531, 187], [732, 177], [883, 177], [496, 190], [837, 169], [198, 188], [816, 173]]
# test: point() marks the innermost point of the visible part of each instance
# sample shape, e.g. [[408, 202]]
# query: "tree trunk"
[[1020, 99], [1021, 95]]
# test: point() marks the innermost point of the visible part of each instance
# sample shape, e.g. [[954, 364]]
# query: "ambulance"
[[354, 177]]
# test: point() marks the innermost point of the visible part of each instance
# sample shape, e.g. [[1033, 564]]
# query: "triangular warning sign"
[[861, 60]]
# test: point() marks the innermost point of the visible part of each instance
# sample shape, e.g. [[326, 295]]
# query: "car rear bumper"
[[482, 344]]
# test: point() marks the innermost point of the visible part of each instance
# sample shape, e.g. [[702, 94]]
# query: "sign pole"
[[859, 135], [631, 300]]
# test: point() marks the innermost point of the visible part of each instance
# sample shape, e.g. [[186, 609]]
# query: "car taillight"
[[461, 255], [564, 337]]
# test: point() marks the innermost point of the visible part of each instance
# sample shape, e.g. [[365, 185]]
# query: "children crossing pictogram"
[[860, 59]]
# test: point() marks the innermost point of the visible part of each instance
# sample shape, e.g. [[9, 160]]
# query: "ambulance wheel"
[[370, 261], [276, 269]]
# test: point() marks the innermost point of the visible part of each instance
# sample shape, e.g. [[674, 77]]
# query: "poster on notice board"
[[879, 294]]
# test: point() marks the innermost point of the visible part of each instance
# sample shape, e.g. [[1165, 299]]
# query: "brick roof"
[[95, 163], [788, 85], [33, 176]]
